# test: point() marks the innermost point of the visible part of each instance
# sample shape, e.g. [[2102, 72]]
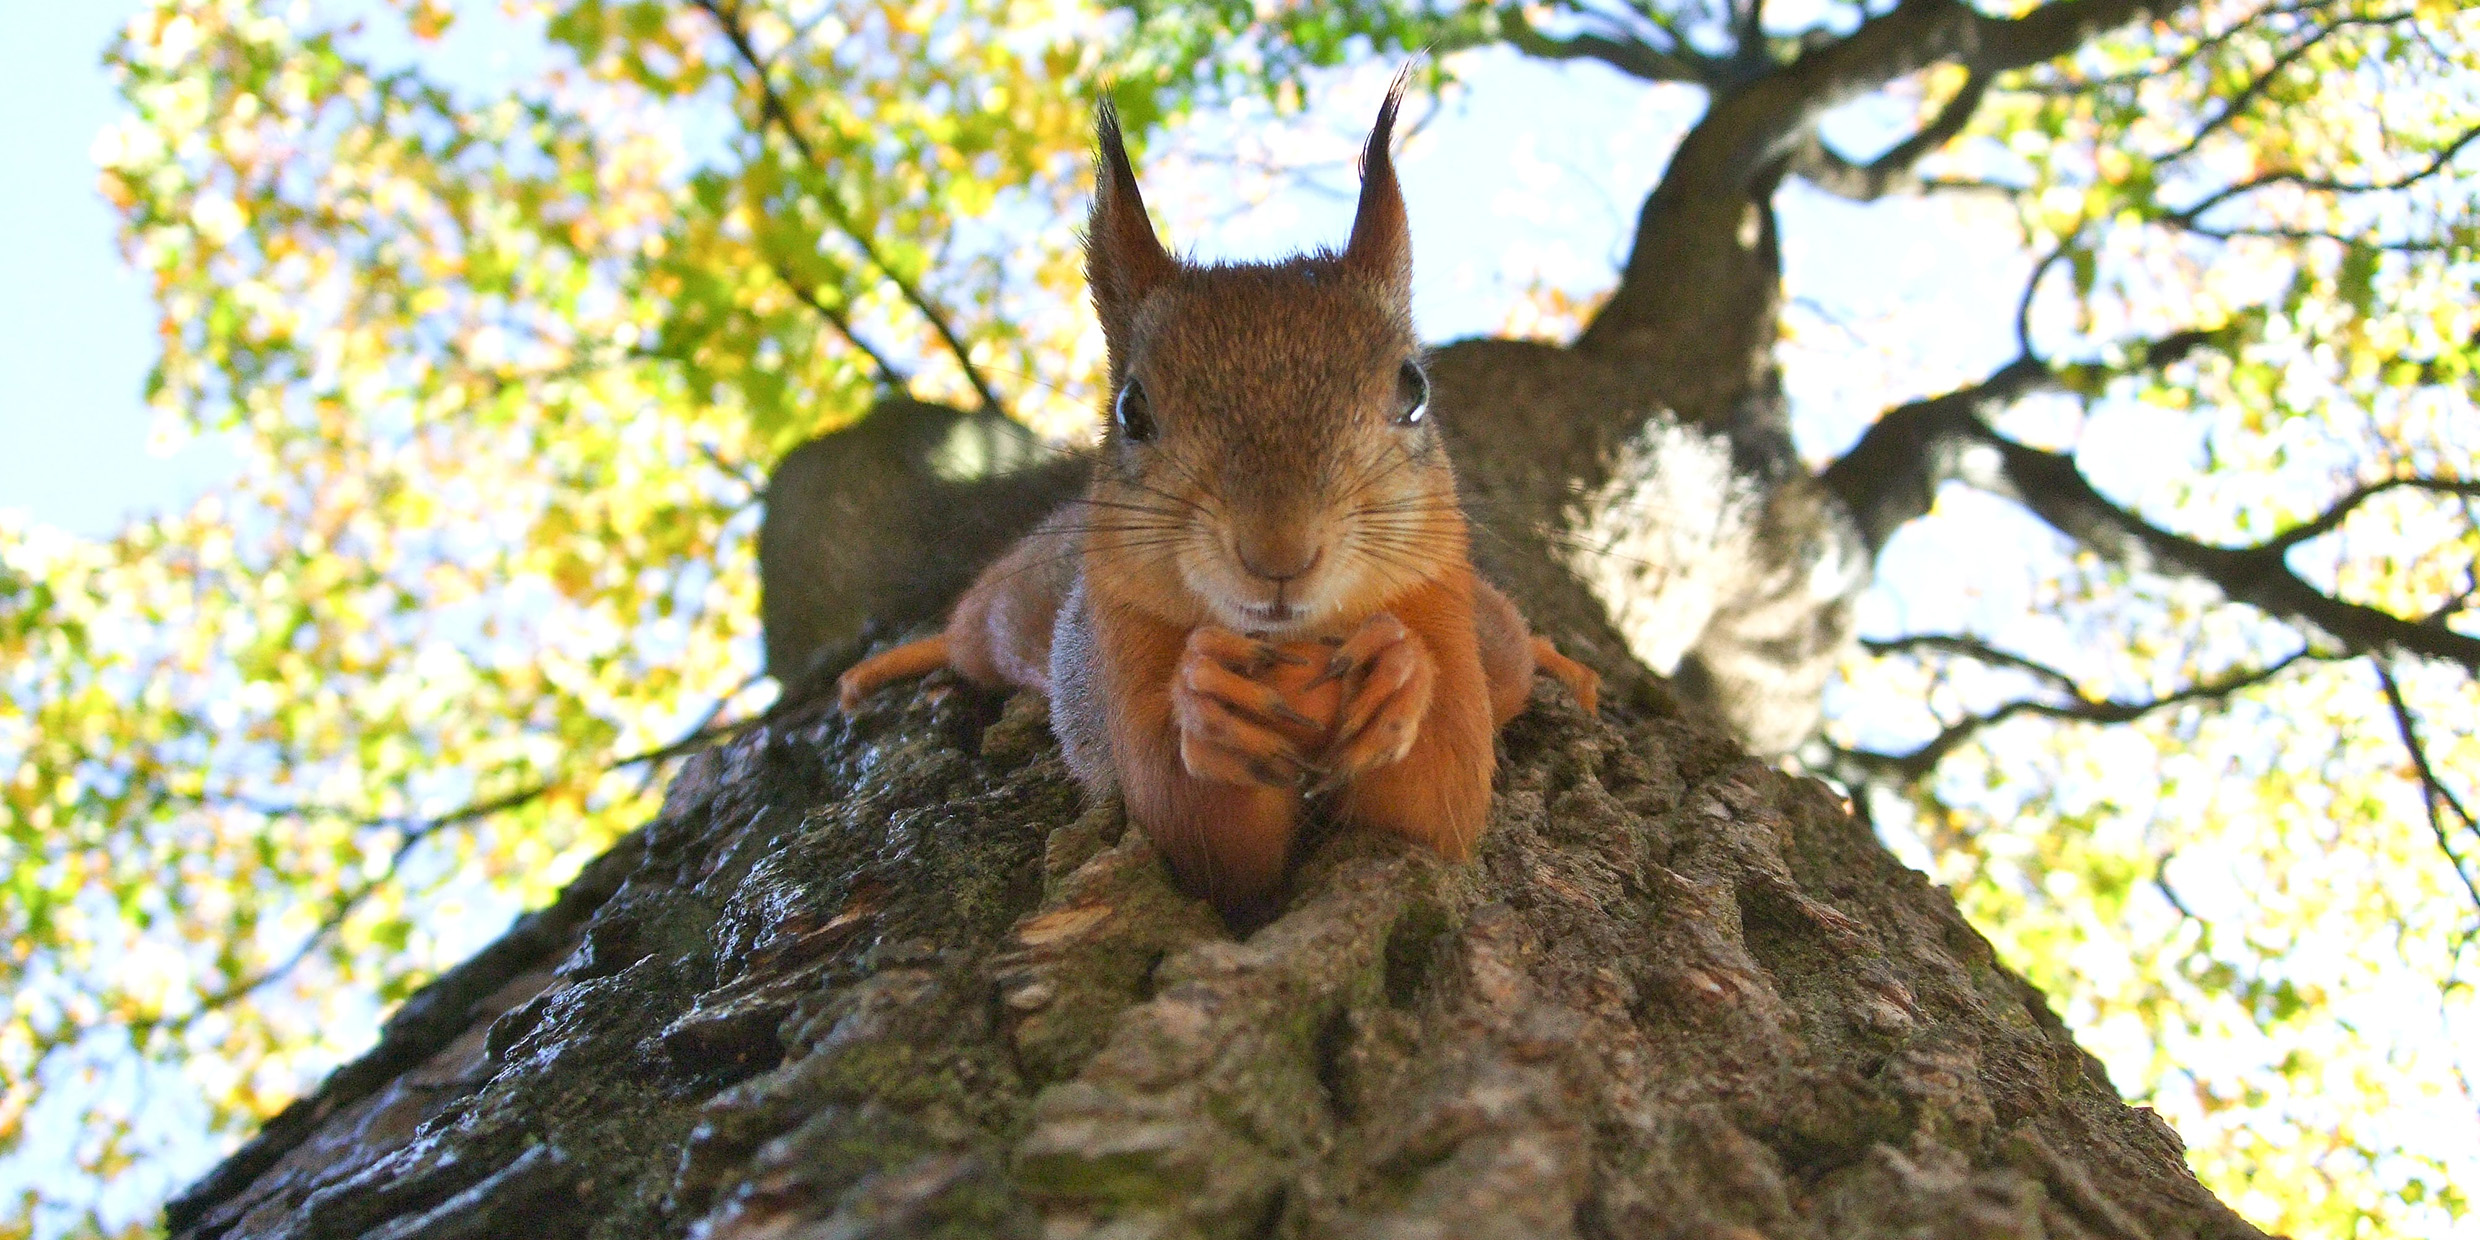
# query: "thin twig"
[[1973, 648], [2032, 286], [2240, 102], [2432, 789], [415, 831], [889, 375], [773, 110], [1624, 52], [1907, 767], [2313, 234], [2068, 85], [739, 473], [2325, 522], [2188, 214]]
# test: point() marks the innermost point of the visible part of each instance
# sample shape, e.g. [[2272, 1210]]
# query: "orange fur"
[[1580, 680], [905, 661], [1228, 842], [1231, 842], [1272, 494], [1439, 792]]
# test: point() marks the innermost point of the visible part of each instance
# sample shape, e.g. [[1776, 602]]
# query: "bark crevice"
[[889, 976]]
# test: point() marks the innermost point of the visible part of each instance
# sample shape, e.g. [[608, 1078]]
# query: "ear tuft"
[[1381, 245], [1123, 259]]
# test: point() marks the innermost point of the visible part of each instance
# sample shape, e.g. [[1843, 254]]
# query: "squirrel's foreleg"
[[1437, 791], [1191, 747]]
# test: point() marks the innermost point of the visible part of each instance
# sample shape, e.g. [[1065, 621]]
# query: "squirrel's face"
[[1271, 461], [1270, 464]]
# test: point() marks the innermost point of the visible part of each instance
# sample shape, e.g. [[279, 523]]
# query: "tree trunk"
[[891, 977]]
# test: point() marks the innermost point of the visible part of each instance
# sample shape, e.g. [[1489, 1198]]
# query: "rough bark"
[[891, 977]]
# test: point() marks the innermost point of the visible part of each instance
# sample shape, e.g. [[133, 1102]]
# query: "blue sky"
[[78, 446], [1531, 174], [76, 328]]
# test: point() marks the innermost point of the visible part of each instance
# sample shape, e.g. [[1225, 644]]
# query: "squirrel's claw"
[[1287, 771], [1336, 669], [1233, 759], [1247, 657], [1226, 720], [1376, 635], [1327, 781], [1383, 714], [1253, 700]]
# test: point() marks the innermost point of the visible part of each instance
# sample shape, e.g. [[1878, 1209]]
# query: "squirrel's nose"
[[1278, 560]]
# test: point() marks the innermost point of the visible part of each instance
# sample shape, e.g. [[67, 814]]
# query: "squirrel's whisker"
[[1371, 473], [1188, 474], [1384, 467], [1123, 505], [1196, 506]]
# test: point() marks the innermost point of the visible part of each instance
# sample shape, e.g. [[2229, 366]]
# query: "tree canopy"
[[2169, 668]]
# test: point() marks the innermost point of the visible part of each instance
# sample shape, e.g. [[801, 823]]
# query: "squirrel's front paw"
[[1388, 676], [1231, 724]]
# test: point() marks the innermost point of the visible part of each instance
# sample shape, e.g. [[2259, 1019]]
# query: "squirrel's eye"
[[1133, 412], [1411, 395]]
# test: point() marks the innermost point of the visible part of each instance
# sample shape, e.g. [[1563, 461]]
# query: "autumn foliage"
[[509, 310]]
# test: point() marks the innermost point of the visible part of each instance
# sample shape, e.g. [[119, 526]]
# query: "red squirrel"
[[1264, 596]]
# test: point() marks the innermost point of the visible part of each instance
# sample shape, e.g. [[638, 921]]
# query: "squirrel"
[[1265, 595]]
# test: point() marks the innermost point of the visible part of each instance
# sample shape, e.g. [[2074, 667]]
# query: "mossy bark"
[[892, 977]]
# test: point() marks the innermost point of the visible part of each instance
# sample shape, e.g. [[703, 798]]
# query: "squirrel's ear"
[[1123, 258], [1381, 246]]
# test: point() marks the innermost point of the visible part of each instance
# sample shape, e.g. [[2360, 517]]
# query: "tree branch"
[[1893, 473], [753, 486], [2240, 102], [774, 111], [1754, 127], [415, 830], [2188, 215], [2316, 234], [1915, 764], [2070, 85], [1973, 648], [2433, 790], [339, 907], [889, 376], [1748, 29], [2325, 522], [1626, 53], [1891, 172], [1708, 225], [2053, 30]]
